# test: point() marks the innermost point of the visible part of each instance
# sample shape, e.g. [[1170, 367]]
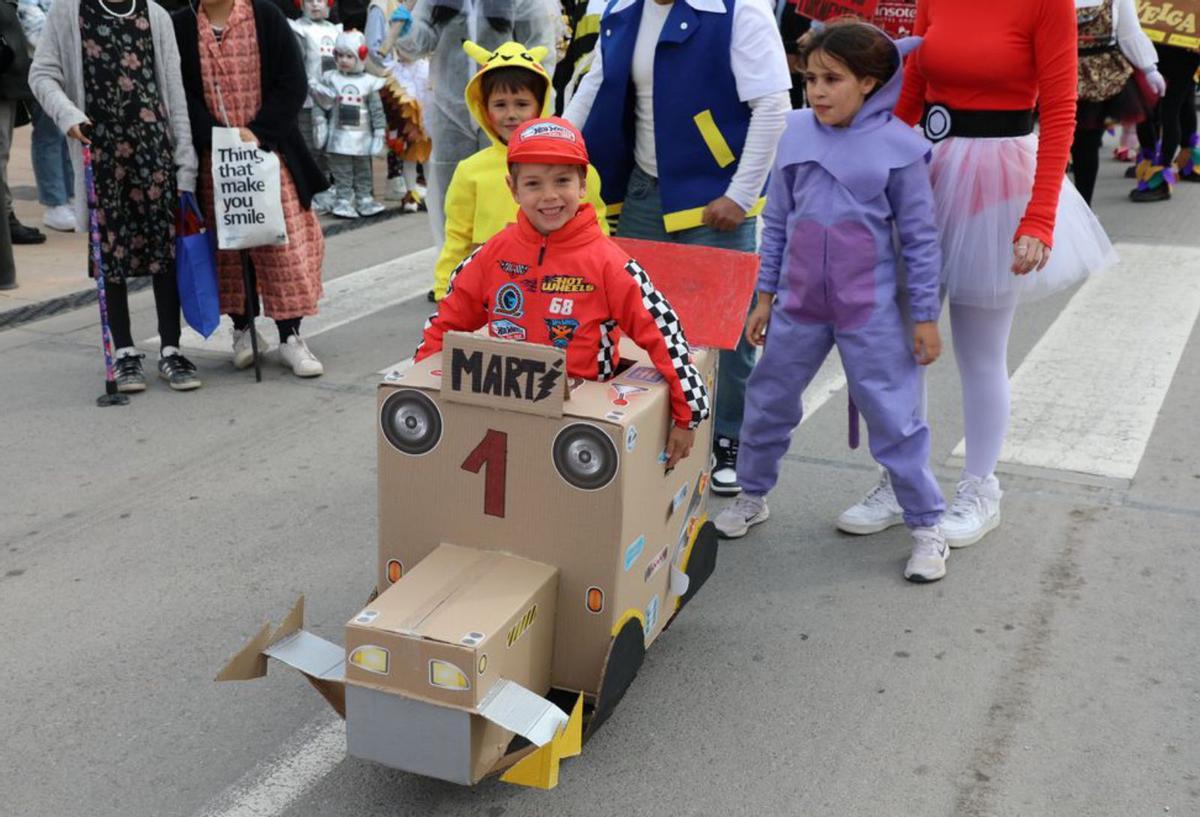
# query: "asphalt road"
[[1055, 671]]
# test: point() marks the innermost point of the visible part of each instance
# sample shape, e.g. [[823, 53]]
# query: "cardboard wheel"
[[625, 656], [702, 563]]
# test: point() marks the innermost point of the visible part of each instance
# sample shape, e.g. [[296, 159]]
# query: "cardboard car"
[[532, 544]]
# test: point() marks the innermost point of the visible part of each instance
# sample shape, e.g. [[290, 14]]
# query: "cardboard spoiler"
[[506, 625]]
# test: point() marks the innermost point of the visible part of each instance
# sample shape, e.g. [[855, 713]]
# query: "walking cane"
[[111, 396], [251, 302]]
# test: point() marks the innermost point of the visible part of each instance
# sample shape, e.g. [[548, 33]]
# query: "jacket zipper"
[[542, 251]]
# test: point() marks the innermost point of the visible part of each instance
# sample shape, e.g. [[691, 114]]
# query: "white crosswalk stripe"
[[1086, 398]]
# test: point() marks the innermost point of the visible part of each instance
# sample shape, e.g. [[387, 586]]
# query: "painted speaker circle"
[[411, 422], [585, 456]]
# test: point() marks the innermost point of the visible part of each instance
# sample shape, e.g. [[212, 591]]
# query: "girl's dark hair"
[[513, 80], [864, 49]]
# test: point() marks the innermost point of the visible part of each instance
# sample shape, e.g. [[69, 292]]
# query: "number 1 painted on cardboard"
[[492, 454]]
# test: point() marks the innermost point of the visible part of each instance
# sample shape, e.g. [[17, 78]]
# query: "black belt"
[[940, 122], [1103, 48]]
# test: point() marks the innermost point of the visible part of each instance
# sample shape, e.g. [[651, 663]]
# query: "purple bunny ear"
[[907, 45]]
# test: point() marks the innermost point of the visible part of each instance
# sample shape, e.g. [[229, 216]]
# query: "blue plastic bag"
[[196, 267]]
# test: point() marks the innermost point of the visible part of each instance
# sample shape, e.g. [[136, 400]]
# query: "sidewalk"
[[52, 277]]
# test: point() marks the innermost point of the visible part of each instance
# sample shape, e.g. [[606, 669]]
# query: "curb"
[[86, 297]]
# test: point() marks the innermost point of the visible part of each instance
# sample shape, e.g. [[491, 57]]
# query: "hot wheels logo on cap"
[[549, 130]]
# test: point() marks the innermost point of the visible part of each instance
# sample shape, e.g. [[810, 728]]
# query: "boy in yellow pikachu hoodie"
[[511, 88]]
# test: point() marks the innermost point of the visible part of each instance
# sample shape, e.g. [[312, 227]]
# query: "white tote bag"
[[246, 200]]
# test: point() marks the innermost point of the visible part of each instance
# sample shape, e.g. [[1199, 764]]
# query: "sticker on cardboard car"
[[483, 663], [679, 497], [631, 435], [472, 639], [519, 629], [658, 561], [651, 616], [371, 657], [623, 393], [366, 617], [644, 374], [445, 675], [634, 551]]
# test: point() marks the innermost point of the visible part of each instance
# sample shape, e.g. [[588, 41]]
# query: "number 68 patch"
[[562, 306]]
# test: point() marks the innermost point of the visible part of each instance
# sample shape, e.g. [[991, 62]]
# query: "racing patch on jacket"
[[561, 330], [513, 269], [681, 356]]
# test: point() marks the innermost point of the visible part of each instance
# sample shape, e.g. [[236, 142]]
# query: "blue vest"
[[699, 123]]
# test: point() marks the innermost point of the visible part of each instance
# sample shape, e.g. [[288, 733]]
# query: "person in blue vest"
[[681, 111]]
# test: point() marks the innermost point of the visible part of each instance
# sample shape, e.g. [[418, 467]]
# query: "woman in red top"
[[1001, 206]]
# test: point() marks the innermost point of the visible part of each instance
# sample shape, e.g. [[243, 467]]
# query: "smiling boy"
[[554, 278]]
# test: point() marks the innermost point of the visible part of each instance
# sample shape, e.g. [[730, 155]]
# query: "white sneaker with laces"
[[61, 218], [397, 189], [975, 511], [243, 352], [875, 512], [304, 363], [928, 560], [736, 519]]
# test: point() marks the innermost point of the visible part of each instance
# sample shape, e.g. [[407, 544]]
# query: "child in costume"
[[357, 126], [554, 278], [317, 37], [509, 89], [847, 176]]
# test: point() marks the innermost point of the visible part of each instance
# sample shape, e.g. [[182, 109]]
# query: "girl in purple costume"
[[847, 178]]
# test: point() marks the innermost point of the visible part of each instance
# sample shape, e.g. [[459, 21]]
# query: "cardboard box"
[[448, 657], [491, 476]]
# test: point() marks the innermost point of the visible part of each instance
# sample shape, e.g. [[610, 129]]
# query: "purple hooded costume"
[[835, 197]]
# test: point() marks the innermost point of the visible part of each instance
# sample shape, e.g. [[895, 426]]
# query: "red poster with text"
[[831, 9], [896, 17]]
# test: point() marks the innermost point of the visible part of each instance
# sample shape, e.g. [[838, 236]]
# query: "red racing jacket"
[[574, 289]]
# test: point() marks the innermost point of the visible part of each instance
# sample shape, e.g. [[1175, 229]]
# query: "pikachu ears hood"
[[508, 55]]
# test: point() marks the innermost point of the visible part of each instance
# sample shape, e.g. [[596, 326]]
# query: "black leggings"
[[166, 304], [1178, 67], [241, 321], [1085, 159]]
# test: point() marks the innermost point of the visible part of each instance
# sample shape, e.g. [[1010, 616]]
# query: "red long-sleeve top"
[[998, 56]]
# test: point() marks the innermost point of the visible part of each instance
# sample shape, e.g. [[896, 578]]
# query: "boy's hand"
[[679, 445], [927, 343], [760, 316]]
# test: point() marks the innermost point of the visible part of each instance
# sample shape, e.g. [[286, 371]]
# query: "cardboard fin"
[[292, 622], [710, 289], [249, 662], [540, 769], [517, 709]]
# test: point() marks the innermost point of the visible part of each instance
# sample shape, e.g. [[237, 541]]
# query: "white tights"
[[981, 350]]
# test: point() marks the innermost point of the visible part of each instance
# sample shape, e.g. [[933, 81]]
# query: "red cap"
[[550, 141]]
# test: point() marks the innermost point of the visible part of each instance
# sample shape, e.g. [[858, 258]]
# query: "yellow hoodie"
[[478, 202]]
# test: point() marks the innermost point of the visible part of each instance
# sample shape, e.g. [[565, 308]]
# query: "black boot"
[[22, 234], [1160, 193]]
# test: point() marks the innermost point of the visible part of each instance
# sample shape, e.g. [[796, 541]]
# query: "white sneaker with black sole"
[[928, 560], [875, 512], [745, 512], [724, 481], [975, 511]]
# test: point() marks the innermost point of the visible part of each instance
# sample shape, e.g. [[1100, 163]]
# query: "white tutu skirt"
[[981, 188]]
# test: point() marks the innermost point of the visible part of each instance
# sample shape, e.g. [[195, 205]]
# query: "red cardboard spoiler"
[[709, 288]]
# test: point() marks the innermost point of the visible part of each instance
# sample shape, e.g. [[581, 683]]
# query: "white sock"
[[167, 351]]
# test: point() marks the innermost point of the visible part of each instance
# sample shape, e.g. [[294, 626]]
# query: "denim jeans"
[[51, 161], [642, 217]]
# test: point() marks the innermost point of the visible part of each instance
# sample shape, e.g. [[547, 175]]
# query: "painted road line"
[[347, 299], [271, 787], [1086, 398]]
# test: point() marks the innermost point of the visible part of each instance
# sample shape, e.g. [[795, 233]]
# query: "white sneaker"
[[323, 202], [295, 353], [61, 218], [736, 519], [974, 512], [875, 512], [368, 206], [928, 560], [397, 189], [243, 352]]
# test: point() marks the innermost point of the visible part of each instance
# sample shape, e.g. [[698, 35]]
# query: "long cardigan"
[[56, 79], [284, 89]]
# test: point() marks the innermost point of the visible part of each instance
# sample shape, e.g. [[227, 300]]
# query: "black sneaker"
[[22, 234], [178, 371], [129, 374], [1160, 193], [724, 475]]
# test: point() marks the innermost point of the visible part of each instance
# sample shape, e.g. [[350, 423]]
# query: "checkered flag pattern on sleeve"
[[677, 347]]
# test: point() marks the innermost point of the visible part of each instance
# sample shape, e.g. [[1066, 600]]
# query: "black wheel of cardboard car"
[[625, 656], [703, 561]]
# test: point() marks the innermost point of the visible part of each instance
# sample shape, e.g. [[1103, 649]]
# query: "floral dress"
[[132, 158]]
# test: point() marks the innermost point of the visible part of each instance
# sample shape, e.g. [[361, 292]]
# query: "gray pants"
[[351, 176]]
